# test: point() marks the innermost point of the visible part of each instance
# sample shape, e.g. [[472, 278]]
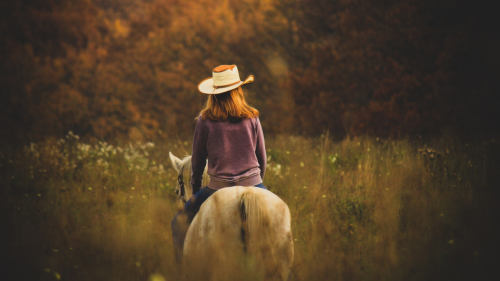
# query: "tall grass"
[[362, 209]]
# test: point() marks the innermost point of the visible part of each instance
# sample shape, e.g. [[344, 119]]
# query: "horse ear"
[[176, 162]]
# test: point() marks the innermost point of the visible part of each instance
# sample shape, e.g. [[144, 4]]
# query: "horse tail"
[[256, 232]]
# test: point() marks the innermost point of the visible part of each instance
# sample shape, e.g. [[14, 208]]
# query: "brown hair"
[[230, 106]]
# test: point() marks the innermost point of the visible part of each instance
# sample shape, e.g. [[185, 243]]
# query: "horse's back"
[[238, 226]]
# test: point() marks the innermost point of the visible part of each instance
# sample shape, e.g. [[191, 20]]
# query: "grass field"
[[362, 209]]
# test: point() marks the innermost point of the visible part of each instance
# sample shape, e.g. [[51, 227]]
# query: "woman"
[[228, 133]]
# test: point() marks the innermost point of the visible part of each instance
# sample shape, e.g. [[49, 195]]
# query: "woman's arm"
[[260, 149], [200, 154]]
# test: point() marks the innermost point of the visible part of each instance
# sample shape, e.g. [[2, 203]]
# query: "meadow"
[[362, 208]]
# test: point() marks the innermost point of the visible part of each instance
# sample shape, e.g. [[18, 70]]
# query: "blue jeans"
[[183, 219]]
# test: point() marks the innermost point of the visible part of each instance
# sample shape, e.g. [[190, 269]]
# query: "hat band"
[[223, 86]]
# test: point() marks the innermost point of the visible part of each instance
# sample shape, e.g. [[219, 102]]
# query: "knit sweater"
[[235, 150]]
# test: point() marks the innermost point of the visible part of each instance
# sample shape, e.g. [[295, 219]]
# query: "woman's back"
[[235, 151]]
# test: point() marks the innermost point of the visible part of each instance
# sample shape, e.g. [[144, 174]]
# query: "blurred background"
[[379, 116], [128, 69]]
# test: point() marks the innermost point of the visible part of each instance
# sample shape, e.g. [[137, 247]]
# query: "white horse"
[[239, 233]]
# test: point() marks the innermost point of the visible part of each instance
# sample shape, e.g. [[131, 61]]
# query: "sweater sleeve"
[[200, 154], [260, 149]]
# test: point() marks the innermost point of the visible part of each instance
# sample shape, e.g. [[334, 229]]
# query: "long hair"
[[230, 106]]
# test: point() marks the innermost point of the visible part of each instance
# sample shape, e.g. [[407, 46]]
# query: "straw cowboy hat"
[[224, 78]]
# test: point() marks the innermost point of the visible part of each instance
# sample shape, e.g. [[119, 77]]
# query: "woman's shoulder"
[[251, 123], [255, 120], [203, 116], [202, 122]]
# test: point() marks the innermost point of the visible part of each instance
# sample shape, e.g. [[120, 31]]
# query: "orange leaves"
[[120, 69], [119, 29]]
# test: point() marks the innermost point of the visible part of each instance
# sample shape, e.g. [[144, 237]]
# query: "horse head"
[[185, 191], [181, 165]]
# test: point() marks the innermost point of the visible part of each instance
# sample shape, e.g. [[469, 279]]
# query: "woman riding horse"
[[228, 133]]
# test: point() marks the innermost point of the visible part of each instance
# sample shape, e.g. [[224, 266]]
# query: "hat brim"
[[207, 86]]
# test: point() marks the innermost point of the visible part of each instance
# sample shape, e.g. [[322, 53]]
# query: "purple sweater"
[[236, 153]]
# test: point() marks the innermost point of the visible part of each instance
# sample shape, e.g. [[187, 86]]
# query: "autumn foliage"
[[109, 69]]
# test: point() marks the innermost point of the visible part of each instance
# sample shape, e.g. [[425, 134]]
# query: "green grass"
[[362, 209]]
